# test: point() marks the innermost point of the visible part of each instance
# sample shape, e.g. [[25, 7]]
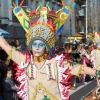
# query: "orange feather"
[[63, 3], [14, 4], [70, 2], [9, 9], [21, 3]]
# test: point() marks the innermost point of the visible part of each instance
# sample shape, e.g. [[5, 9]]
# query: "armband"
[[10, 55], [97, 73]]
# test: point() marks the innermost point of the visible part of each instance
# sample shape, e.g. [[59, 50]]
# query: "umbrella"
[[4, 33]]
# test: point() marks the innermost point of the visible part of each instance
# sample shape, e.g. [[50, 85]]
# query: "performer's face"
[[38, 48], [9, 74]]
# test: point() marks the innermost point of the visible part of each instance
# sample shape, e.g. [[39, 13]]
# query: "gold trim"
[[44, 24], [41, 86], [10, 54], [80, 69], [72, 38], [40, 59]]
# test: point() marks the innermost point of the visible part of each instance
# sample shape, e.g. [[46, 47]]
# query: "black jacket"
[[9, 92]]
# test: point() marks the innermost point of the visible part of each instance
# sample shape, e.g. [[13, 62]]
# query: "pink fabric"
[[84, 61]]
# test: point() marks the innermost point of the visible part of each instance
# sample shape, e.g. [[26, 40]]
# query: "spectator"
[[3, 67], [9, 87], [13, 43], [18, 44], [0, 83], [3, 55]]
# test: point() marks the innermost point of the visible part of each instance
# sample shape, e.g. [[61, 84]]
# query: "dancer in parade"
[[43, 76]]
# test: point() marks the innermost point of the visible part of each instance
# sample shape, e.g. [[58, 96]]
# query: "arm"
[[7, 87], [15, 55], [80, 69], [5, 45], [89, 71]]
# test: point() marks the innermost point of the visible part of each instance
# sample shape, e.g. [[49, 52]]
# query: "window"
[[25, 2], [59, 1], [19, 1]]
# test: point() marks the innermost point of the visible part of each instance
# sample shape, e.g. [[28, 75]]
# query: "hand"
[[17, 89], [76, 69], [83, 51]]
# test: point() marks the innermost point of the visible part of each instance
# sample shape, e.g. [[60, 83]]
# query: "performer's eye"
[[41, 44], [34, 44]]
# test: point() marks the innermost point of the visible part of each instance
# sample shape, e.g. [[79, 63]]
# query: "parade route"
[[82, 90]]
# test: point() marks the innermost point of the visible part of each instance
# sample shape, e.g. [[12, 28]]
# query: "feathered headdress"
[[42, 23], [94, 37]]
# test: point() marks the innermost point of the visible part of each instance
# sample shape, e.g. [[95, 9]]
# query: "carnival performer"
[[41, 76], [94, 58]]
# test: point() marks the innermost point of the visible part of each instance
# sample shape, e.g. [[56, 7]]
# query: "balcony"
[[81, 13], [80, 1]]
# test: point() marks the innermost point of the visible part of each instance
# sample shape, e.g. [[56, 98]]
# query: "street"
[[82, 90]]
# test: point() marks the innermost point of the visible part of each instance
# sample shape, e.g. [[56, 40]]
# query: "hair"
[[74, 47], [9, 69], [68, 45]]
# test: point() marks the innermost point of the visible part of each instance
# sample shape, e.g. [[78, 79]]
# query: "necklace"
[[40, 59]]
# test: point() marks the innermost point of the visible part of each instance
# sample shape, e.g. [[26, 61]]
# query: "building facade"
[[79, 16], [9, 22], [75, 23], [94, 14]]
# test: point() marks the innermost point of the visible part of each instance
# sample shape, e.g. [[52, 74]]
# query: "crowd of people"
[[8, 87], [77, 51]]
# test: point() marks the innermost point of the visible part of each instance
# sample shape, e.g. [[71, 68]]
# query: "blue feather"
[[66, 10], [11, 6], [59, 30], [55, 7], [68, 2], [32, 7], [73, 5], [16, 2]]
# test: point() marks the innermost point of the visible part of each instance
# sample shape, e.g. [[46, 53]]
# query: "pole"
[[96, 13], [70, 26], [86, 19]]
